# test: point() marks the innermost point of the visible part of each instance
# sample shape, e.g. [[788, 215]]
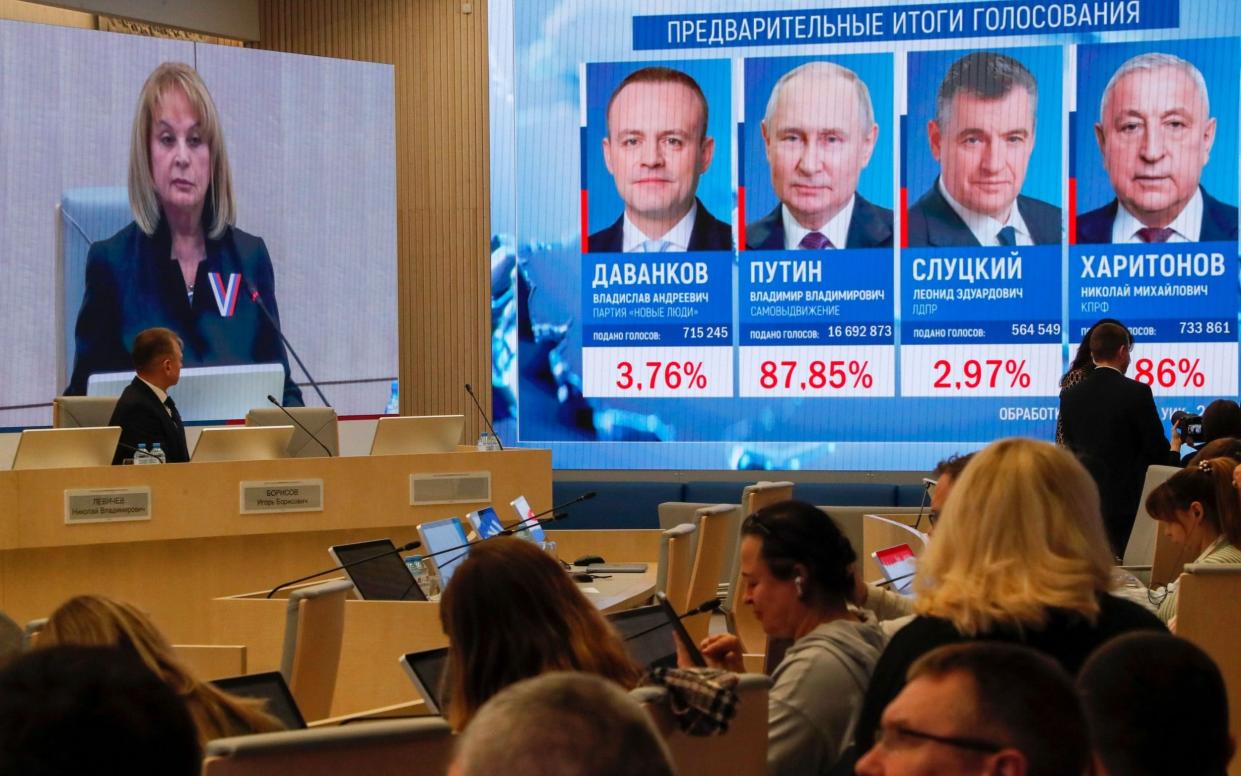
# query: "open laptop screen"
[[385, 578], [270, 687]]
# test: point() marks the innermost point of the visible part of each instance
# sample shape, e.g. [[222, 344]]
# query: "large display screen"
[[309, 143], [882, 229]]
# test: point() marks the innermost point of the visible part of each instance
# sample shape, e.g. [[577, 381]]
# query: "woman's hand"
[[723, 650]]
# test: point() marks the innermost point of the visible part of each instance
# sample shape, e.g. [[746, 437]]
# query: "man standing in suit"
[[982, 136], [819, 132], [145, 412], [1155, 131], [656, 149], [1112, 425]]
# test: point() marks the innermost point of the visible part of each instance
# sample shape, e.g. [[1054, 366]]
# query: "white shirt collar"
[[1186, 227], [985, 228], [677, 237], [836, 230], [160, 393]]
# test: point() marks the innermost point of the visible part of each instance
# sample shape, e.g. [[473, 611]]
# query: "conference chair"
[[675, 563], [82, 411], [314, 627], [421, 745], [1209, 614], [741, 619], [1140, 549], [718, 527], [742, 750]]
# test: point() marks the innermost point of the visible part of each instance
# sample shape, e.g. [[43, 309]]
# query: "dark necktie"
[[1151, 235], [814, 241], [172, 408], [1007, 236]]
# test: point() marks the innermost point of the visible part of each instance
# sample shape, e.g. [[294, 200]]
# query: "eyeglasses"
[[900, 737]]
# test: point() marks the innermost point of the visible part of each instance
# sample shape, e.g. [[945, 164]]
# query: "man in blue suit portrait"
[[819, 131], [1156, 131], [982, 136], [656, 149]]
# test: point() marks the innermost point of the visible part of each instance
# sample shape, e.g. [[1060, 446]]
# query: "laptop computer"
[[426, 670], [446, 537], [242, 443], [62, 448], [384, 578], [417, 434], [270, 687]]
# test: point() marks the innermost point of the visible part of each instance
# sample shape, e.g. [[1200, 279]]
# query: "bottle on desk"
[[487, 442], [159, 456]]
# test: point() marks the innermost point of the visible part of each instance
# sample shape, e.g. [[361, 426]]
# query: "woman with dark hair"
[[1082, 365], [511, 613], [796, 571]]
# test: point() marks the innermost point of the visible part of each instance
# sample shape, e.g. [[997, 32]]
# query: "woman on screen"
[[1019, 555], [796, 566], [98, 621], [181, 264], [510, 613]]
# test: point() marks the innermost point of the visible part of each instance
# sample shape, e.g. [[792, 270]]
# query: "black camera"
[[1191, 429]]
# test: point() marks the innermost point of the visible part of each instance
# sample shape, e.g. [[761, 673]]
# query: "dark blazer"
[[132, 284], [144, 421], [1219, 222], [1111, 424], [709, 234], [870, 226], [933, 222]]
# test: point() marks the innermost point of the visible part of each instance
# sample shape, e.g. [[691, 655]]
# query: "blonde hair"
[[1020, 534], [142, 198], [95, 620]]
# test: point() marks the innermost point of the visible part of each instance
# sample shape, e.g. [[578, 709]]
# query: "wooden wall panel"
[[439, 54]]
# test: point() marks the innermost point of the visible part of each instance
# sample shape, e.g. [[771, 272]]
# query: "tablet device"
[[417, 434], [270, 687], [63, 448], [242, 443], [426, 670], [898, 565], [647, 635], [384, 578], [486, 522], [446, 537], [678, 628], [532, 530]]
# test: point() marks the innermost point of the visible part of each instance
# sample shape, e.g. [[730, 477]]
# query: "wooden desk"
[[377, 633], [198, 546]]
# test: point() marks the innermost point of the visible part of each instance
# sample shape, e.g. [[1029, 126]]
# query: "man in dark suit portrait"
[[982, 136], [145, 412], [656, 149], [819, 132], [1112, 425], [1156, 131]]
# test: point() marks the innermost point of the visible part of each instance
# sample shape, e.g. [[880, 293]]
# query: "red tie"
[[1151, 235]]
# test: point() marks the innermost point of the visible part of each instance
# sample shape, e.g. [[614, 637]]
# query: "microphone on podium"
[[394, 551], [298, 423], [486, 418]]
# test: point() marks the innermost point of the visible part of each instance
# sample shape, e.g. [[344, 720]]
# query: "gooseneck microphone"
[[258, 300], [709, 605], [394, 551], [298, 423], [486, 417], [587, 496]]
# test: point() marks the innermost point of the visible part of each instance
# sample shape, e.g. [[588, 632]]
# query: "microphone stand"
[[298, 423], [486, 417], [394, 551]]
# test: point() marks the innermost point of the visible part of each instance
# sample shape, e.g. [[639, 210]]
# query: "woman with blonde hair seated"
[[510, 613], [1019, 555], [95, 620]]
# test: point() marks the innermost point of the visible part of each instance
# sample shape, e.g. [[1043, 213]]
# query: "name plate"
[[107, 505], [268, 496]]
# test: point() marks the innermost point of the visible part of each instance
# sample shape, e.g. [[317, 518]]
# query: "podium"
[[198, 544]]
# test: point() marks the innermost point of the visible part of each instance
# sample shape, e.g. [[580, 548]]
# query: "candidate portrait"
[[656, 150], [982, 136], [1155, 133], [819, 133]]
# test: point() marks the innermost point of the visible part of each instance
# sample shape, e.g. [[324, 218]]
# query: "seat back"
[[314, 627], [82, 411], [718, 531], [741, 618], [382, 748], [1140, 550], [675, 563], [741, 751], [1209, 614]]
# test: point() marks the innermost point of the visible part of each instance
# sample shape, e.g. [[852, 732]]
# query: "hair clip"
[[1204, 466]]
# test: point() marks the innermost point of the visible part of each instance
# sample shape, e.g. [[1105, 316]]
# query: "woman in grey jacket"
[[795, 568]]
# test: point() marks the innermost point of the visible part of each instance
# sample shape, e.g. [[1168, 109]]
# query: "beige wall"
[[443, 273], [30, 12]]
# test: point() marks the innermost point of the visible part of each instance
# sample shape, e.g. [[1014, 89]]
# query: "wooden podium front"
[[198, 545]]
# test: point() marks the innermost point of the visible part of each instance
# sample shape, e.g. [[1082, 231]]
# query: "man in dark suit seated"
[[1112, 425], [982, 136], [819, 131], [656, 149], [1155, 131], [145, 412]]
